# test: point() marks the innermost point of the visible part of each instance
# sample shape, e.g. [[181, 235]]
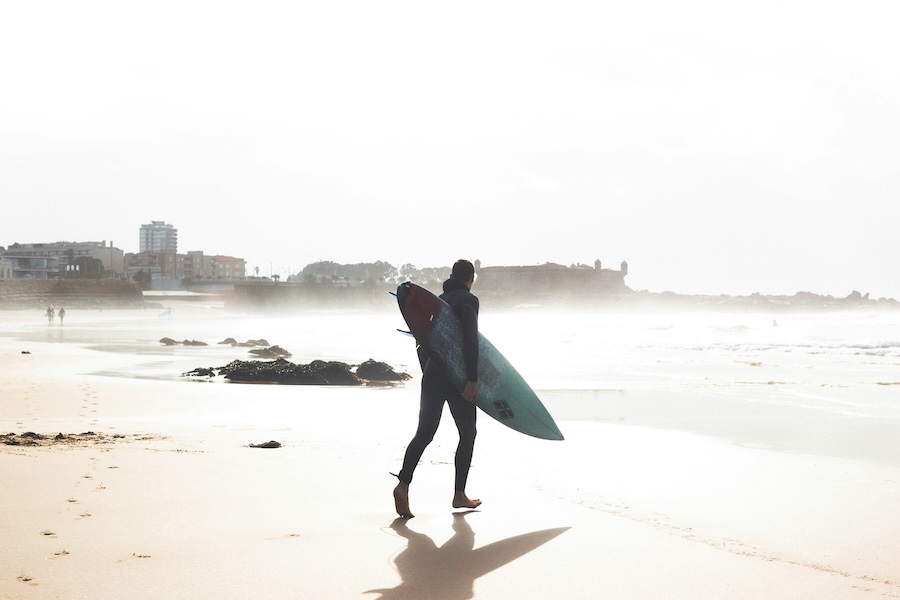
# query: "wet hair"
[[463, 270]]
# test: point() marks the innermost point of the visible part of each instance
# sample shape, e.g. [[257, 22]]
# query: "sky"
[[717, 147]]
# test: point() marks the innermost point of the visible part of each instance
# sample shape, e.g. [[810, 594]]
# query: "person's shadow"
[[449, 572]]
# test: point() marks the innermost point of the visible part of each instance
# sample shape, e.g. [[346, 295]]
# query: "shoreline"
[[37, 294]]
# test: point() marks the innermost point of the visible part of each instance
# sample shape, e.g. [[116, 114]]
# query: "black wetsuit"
[[437, 388]]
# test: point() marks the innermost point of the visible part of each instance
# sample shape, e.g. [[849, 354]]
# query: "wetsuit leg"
[[464, 414], [431, 404]]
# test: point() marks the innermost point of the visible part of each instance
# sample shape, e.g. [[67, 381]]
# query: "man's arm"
[[468, 318]]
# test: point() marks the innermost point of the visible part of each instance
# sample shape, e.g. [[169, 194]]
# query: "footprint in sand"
[[25, 579], [48, 533], [135, 555], [283, 537], [62, 552]]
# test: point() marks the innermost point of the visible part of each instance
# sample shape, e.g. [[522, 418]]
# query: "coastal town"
[[157, 260], [159, 266], [90, 273]]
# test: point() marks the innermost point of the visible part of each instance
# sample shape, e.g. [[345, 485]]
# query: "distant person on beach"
[[62, 315], [437, 389], [50, 313]]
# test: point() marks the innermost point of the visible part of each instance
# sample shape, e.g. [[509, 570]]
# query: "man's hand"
[[470, 391]]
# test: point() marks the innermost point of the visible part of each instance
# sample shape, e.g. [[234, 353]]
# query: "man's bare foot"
[[460, 500], [401, 500]]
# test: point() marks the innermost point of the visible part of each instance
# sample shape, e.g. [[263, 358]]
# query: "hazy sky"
[[718, 147]]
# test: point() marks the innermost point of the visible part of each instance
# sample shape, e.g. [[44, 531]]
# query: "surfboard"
[[502, 392]]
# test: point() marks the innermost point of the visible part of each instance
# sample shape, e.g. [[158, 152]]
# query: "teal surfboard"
[[502, 392]]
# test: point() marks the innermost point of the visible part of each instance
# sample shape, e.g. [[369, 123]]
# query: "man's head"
[[464, 271]]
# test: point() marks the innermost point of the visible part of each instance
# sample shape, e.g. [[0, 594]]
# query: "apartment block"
[[158, 237]]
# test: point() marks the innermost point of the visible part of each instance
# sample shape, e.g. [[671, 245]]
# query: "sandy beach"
[[161, 496]]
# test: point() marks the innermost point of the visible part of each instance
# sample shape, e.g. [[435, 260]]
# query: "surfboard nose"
[[402, 293], [418, 307]]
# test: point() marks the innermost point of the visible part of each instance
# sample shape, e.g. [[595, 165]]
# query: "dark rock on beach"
[[280, 370], [269, 444], [170, 342], [270, 352], [248, 344], [318, 372], [201, 372], [373, 370]]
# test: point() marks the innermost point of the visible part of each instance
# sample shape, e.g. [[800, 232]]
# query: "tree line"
[[368, 273]]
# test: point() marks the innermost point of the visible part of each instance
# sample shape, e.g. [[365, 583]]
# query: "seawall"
[[70, 293]]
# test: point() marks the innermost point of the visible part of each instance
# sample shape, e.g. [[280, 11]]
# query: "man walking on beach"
[[437, 389]]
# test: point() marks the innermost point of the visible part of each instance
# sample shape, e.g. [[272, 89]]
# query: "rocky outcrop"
[[269, 444], [248, 344], [267, 352], [270, 352], [167, 341], [318, 372], [373, 370]]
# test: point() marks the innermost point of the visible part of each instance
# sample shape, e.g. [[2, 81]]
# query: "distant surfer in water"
[[437, 389]]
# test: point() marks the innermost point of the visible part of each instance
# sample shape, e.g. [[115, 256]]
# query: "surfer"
[[437, 388]]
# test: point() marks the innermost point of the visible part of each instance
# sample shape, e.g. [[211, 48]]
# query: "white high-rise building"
[[159, 237]]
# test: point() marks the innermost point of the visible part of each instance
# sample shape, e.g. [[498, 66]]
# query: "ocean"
[[815, 382]]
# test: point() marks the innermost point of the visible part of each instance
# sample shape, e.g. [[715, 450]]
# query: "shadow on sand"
[[449, 572]]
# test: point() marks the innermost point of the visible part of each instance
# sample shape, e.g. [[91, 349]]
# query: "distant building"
[[6, 267], [158, 265], [551, 278], [229, 267], [68, 259], [193, 265], [32, 267], [159, 237]]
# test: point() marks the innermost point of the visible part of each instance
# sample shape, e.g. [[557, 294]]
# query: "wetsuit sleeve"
[[468, 318]]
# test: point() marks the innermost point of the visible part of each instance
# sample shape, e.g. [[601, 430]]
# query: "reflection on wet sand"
[[449, 572]]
